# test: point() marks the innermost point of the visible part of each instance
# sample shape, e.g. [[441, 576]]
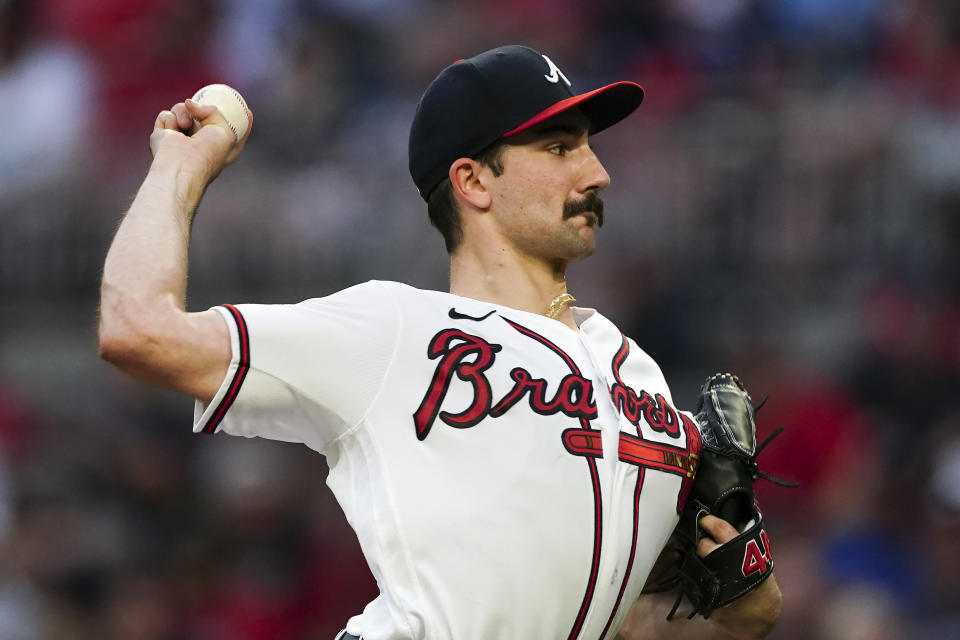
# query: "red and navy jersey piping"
[[594, 481], [243, 366]]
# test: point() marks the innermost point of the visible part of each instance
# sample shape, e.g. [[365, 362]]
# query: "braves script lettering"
[[454, 347], [573, 398], [468, 357], [633, 405]]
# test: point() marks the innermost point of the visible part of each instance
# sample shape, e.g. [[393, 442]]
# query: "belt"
[[343, 635]]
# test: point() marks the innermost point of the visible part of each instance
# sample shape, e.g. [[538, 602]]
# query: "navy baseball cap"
[[497, 94]]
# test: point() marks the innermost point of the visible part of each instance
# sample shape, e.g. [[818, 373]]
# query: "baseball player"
[[512, 465]]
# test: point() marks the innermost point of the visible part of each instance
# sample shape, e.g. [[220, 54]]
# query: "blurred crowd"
[[785, 205]]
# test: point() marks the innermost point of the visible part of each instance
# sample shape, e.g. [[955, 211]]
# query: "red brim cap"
[[603, 107], [497, 93]]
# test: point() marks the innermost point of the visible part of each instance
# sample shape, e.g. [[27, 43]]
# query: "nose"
[[596, 177]]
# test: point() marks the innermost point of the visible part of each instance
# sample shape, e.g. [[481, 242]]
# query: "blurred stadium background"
[[785, 205]]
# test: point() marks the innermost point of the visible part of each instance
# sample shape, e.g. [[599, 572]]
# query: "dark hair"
[[442, 206]]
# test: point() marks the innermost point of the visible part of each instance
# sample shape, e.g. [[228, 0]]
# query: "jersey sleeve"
[[306, 372]]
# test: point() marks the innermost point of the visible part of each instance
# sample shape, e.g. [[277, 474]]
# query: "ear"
[[467, 184]]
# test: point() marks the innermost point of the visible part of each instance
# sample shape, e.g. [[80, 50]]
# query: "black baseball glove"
[[723, 486]]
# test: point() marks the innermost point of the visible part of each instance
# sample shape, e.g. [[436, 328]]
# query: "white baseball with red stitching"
[[230, 103]]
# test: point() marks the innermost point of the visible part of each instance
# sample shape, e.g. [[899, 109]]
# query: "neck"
[[496, 274]]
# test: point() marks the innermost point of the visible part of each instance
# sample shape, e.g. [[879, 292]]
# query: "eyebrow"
[[567, 129], [555, 129]]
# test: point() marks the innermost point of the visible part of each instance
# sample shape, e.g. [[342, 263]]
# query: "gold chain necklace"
[[558, 304]]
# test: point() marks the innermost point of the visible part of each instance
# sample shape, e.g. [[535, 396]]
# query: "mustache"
[[591, 202]]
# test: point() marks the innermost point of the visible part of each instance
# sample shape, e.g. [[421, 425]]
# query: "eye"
[[558, 149]]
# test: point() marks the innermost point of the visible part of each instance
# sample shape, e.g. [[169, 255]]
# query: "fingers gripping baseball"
[[201, 133], [166, 120]]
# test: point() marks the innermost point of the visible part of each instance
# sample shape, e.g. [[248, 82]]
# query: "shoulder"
[[382, 301], [371, 292], [606, 338], [367, 299], [400, 293], [379, 288]]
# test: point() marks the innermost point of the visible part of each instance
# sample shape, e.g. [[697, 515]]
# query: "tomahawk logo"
[[555, 74]]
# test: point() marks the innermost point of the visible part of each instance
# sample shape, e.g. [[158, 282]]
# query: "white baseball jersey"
[[507, 477]]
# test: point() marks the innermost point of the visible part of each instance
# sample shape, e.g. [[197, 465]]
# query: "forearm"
[[647, 620], [145, 273], [146, 265], [750, 618], [144, 327]]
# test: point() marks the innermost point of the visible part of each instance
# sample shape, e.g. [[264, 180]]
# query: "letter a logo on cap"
[[555, 73]]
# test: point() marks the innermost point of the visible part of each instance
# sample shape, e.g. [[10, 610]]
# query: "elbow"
[[118, 345], [114, 349], [145, 340], [123, 337]]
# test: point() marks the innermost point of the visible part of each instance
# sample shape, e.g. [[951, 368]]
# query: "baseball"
[[230, 103]]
